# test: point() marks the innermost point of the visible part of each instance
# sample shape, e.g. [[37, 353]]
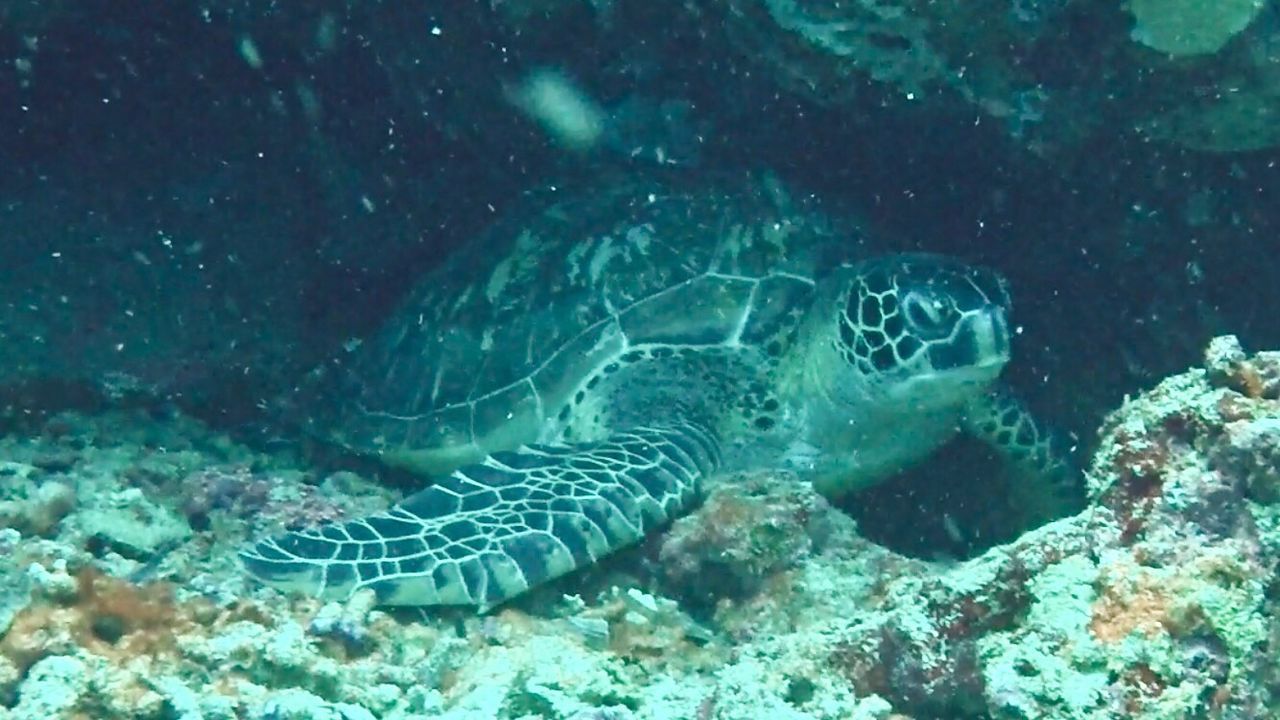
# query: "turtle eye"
[[928, 316]]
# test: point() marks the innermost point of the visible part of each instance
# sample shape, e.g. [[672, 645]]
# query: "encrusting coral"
[[1152, 603]]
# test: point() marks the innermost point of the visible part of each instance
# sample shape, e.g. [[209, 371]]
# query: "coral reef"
[[1187, 27], [749, 529], [1152, 603]]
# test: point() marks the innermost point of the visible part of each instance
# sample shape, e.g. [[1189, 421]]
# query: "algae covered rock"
[[747, 531], [1151, 604], [1190, 27], [1050, 74], [1245, 120], [130, 524]]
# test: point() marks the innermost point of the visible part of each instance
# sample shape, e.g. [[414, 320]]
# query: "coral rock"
[[749, 529]]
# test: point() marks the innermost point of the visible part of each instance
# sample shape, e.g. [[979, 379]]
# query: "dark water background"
[[181, 229]]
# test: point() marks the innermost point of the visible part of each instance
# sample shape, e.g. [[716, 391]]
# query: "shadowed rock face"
[[1044, 71]]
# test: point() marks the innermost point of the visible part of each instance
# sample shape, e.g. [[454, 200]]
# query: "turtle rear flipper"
[[488, 532]]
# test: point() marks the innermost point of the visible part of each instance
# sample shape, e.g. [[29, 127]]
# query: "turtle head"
[[920, 329]]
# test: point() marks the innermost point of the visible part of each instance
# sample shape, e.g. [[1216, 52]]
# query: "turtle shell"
[[496, 340]]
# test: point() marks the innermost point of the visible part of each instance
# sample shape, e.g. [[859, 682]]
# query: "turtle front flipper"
[[1050, 483], [488, 532]]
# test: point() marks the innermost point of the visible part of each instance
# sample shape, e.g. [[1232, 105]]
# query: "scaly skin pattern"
[[490, 531]]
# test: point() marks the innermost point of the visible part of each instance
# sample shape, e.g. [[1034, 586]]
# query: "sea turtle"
[[571, 379]]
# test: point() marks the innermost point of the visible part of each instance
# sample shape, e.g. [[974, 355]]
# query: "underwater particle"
[[249, 52], [1190, 27], [563, 109]]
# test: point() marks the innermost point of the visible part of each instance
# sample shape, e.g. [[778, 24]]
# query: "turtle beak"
[[981, 342], [991, 334]]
